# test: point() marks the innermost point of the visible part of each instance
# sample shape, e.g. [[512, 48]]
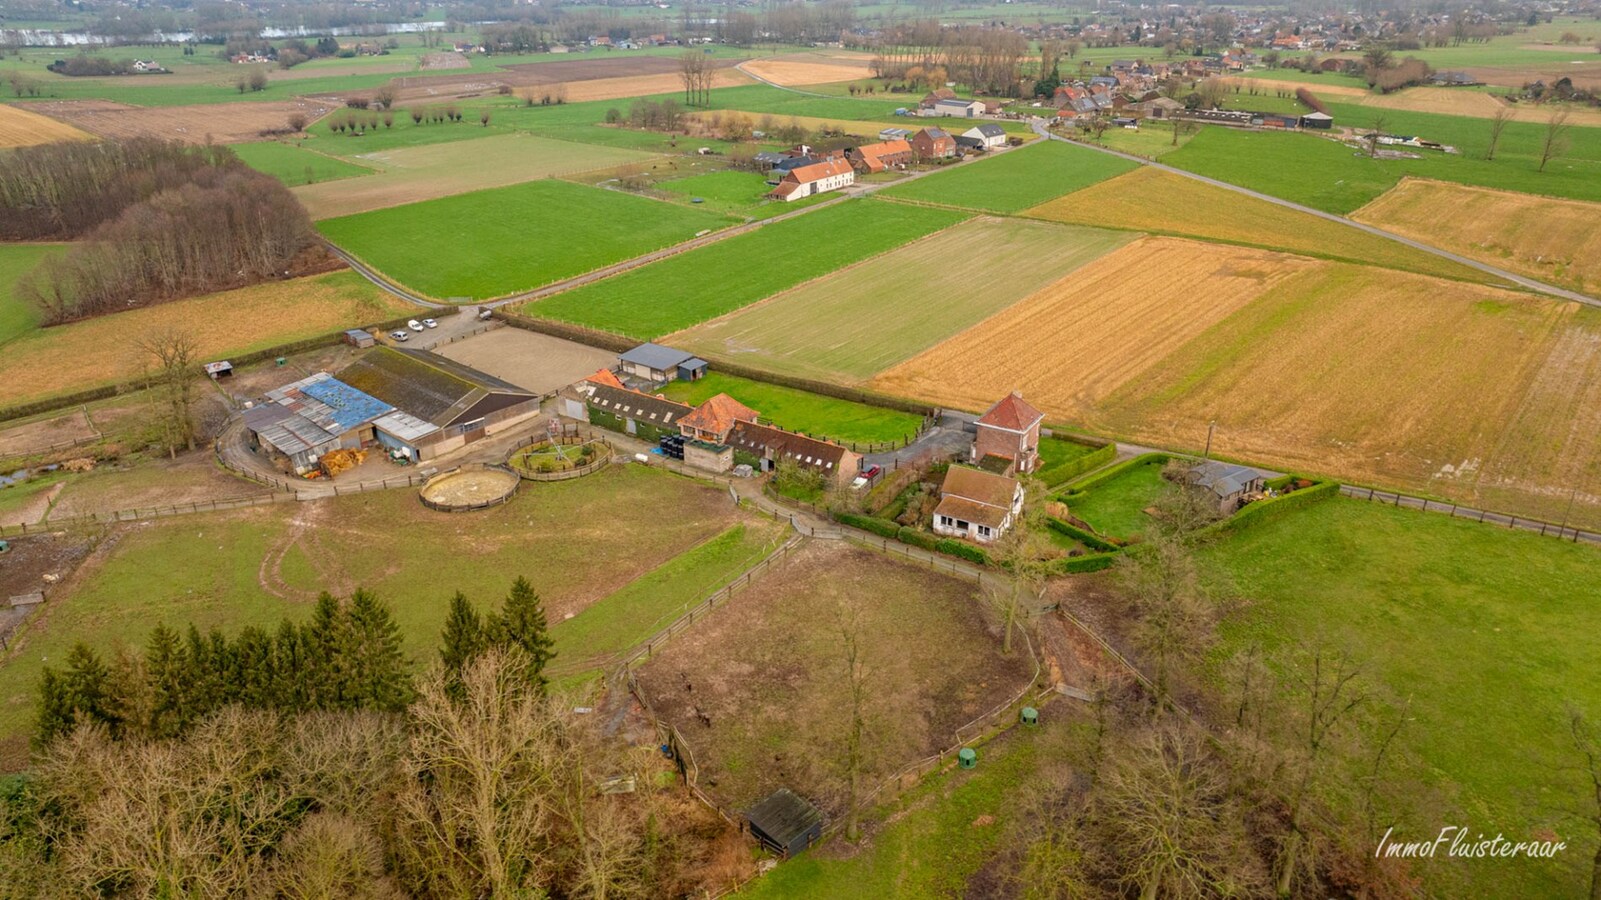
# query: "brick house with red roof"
[[817, 178], [1008, 438], [713, 420], [933, 143]]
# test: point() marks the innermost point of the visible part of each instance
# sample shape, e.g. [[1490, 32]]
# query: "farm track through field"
[[1513, 278]]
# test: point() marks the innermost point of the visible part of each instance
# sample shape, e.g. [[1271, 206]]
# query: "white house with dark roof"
[[989, 135]]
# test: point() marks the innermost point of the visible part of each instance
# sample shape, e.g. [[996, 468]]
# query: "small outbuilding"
[[784, 823], [359, 339], [1317, 120], [1231, 485], [656, 364]]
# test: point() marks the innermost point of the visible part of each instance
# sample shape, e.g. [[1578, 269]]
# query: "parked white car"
[[400, 336], [414, 325], [430, 323]]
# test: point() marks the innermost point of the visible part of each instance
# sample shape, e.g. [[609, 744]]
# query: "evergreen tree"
[[166, 674], [82, 693], [254, 684], [463, 638], [55, 715], [204, 681], [521, 624], [378, 678], [324, 643], [288, 669]]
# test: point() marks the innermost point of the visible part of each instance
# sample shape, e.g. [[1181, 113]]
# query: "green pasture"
[[1116, 507], [496, 242], [17, 317], [1015, 179], [295, 165], [796, 410]]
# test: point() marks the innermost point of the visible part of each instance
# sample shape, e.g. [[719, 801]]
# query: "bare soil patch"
[[220, 123], [191, 478], [1584, 75], [569, 70], [537, 362], [23, 568], [40, 435], [437, 61], [1476, 104], [470, 487], [759, 691], [808, 69], [587, 79]]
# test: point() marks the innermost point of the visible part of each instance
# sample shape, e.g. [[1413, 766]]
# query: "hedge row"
[[1066, 471], [616, 343], [1275, 508], [881, 527], [1111, 472], [1075, 565], [965, 551], [111, 390], [1088, 539]]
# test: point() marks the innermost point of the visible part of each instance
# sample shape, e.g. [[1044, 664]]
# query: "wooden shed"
[[785, 823]]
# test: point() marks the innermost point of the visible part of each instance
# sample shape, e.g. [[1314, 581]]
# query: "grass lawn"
[[1486, 630], [689, 288], [626, 618], [1115, 507], [578, 541], [17, 317], [730, 188], [928, 842], [93, 352], [1330, 176], [842, 420], [497, 242], [1016, 179], [862, 320], [1054, 452], [295, 165]]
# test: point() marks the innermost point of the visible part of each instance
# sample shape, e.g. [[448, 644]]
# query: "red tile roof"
[[818, 171], [604, 376], [1013, 413], [717, 415], [979, 486]]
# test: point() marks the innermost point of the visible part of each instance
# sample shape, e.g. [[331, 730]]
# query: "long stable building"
[[415, 405]]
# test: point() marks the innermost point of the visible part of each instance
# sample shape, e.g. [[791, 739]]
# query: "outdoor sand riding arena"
[[1558, 241], [469, 488], [1480, 395], [532, 361], [410, 174], [759, 688], [220, 123], [21, 128]]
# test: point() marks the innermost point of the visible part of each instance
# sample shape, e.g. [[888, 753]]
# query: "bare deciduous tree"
[[172, 367], [1175, 615], [1498, 124], [1555, 142]]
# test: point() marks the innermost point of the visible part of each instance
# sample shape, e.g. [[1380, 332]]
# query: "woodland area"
[[157, 221]]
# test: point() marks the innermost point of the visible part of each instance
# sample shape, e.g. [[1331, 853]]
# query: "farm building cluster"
[[981, 502], [802, 171], [412, 404]]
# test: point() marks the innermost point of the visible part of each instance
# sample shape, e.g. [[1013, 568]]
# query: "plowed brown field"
[[1558, 241], [1472, 393], [222, 123], [21, 128], [1093, 331]]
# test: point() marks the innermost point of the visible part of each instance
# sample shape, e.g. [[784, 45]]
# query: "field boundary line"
[[1544, 528], [1526, 283]]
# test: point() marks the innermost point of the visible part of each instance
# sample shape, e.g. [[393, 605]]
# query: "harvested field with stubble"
[[221, 123], [808, 69], [1558, 241], [1149, 199], [87, 354], [863, 319], [1069, 346], [759, 691], [1476, 104], [1478, 395], [22, 128]]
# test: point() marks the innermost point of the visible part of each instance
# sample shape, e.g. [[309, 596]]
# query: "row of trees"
[[223, 228], [989, 60], [64, 190], [346, 657]]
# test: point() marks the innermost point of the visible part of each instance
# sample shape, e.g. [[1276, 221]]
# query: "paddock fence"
[[91, 520], [1560, 531]]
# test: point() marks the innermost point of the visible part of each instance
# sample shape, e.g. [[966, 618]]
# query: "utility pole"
[[1573, 495], [1211, 426]]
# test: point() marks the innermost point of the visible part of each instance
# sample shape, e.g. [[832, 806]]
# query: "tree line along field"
[[759, 688], [1556, 241], [795, 410], [1474, 625], [1330, 176], [1151, 200], [256, 566], [857, 321], [414, 174], [67, 358], [496, 242], [1491, 397], [678, 292], [296, 165], [1015, 179]]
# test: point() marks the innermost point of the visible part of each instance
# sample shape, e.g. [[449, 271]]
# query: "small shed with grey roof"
[[1232, 485], [784, 823], [657, 364]]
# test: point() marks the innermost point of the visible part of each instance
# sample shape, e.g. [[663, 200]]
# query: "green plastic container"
[[967, 758], [1031, 716]]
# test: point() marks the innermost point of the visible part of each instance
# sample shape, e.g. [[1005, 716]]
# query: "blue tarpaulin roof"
[[347, 406]]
